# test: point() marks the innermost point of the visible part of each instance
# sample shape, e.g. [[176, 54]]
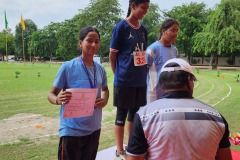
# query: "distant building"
[[10, 57]]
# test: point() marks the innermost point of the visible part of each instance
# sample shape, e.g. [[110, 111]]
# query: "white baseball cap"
[[183, 66]]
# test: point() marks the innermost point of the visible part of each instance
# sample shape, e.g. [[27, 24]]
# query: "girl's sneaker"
[[121, 156]]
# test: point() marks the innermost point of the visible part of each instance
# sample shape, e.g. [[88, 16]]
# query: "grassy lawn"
[[28, 94]]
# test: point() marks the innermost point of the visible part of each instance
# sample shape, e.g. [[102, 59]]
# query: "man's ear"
[[189, 79], [188, 82]]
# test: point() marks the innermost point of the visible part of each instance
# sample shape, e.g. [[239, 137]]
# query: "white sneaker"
[[121, 156]]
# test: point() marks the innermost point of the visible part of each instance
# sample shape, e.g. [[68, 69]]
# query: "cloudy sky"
[[43, 12]]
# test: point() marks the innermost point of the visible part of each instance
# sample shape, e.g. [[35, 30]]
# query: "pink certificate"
[[81, 103]]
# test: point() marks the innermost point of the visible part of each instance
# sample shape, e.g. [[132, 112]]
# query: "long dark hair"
[[167, 24], [137, 2], [84, 32]]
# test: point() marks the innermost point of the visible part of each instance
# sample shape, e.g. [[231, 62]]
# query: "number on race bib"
[[140, 58]]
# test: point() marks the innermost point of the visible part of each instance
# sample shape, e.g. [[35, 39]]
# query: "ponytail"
[[129, 8]]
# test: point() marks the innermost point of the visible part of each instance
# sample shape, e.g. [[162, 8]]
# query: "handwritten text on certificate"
[[81, 103]]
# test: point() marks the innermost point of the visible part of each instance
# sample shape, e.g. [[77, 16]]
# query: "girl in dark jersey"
[[129, 40]]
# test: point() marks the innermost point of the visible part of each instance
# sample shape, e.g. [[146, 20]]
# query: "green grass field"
[[28, 94]]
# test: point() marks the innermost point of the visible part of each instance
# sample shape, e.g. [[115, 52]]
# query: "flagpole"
[[6, 26], [6, 55], [23, 28], [23, 54]]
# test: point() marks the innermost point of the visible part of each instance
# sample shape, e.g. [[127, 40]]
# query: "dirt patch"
[[29, 126]]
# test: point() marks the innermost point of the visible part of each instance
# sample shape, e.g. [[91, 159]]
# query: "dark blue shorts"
[[129, 97], [128, 100], [75, 148]]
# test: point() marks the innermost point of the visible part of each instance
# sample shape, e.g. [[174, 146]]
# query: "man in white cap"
[[177, 126]]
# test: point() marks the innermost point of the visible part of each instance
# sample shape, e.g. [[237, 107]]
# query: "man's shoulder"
[[168, 103]]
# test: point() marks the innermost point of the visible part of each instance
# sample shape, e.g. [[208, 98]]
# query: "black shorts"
[[75, 148], [129, 97], [122, 114]]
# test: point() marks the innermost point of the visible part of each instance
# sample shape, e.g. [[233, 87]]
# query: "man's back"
[[180, 128]]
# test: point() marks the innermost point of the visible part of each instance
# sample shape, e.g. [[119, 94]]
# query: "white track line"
[[207, 91], [196, 84], [230, 91]]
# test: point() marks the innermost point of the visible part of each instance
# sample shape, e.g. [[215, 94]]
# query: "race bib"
[[139, 58]]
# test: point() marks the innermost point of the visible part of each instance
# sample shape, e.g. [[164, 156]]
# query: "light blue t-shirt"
[[157, 55], [72, 75]]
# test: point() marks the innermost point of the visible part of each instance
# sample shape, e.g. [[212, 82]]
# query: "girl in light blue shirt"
[[157, 54]]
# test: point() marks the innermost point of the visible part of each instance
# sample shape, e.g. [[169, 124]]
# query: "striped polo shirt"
[[178, 127]]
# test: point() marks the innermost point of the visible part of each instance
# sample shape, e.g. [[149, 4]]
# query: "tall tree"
[[52, 38], [30, 28], [67, 38], [104, 15], [222, 33], [43, 43], [37, 46], [10, 44], [191, 17], [152, 23]]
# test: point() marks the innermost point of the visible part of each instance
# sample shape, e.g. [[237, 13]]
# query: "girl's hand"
[[64, 97], [100, 103]]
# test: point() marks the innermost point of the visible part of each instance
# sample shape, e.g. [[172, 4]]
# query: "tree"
[[10, 46], [222, 33], [67, 33], [43, 43], [52, 39], [192, 18], [37, 43], [152, 23], [30, 28], [62, 39], [104, 15], [67, 38]]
